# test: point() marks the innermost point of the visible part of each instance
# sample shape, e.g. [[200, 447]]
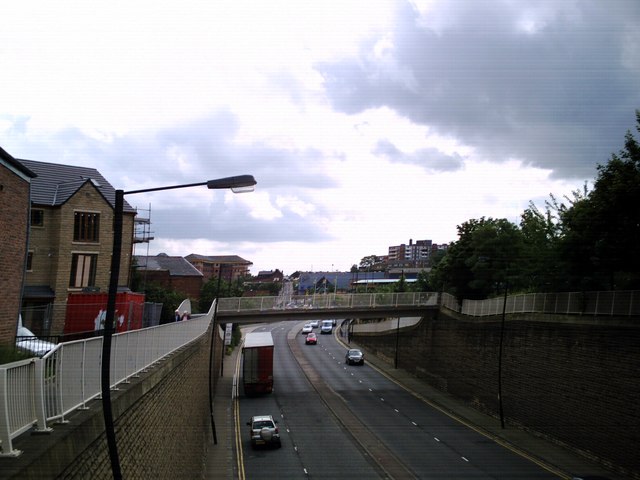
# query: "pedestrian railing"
[[606, 303], [328, 301], [36, 392]]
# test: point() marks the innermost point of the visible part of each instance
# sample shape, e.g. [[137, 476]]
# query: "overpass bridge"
[[324, 306]]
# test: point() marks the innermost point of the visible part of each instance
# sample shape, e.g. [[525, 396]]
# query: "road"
[[338, 421]]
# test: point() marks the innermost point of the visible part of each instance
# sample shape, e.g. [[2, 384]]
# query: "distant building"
[[269, 276], [173, 273], [320, 282], [228, 267], [413, 255], [15, 185]]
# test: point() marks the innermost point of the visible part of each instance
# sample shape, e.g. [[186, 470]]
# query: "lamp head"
[[237, 184]]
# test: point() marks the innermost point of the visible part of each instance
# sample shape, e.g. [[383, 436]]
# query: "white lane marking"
[[436, 439], [415, 423], [465, 459]]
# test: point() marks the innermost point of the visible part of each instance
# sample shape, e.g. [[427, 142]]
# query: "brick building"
[[15, 180], [173, 273], [228, 267], [71, 240]]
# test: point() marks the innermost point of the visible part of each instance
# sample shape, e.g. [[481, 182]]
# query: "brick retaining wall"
[[162, 424], [576, 382]]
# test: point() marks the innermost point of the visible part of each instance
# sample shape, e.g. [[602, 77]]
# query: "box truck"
[[257, 363]]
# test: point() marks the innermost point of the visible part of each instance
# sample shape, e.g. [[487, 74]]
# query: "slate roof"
[[306, 280], [220, 258], [176, 266], [56, 183], [5, 156]]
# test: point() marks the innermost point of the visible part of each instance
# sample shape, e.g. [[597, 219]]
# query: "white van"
[[327, 326]]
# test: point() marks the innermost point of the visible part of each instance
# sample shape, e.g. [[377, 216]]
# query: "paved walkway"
[[221, 461]]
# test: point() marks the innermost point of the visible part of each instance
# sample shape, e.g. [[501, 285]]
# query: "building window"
[[37, 217], [86, 227], [29, 261], [83, 270]]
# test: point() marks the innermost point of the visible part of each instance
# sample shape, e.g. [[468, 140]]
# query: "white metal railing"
[[327, 301], [620, 303], [37, 391]]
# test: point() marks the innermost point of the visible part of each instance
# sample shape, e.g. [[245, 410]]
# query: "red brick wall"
[[14, 217]]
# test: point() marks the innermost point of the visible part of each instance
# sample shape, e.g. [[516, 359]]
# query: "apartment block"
[[227, 267]]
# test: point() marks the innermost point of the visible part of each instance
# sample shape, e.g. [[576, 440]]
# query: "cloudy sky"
[[365, 123]]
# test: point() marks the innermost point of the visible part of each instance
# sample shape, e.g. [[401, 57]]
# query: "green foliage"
[[219, 288], [169, 299], [589, 241], [10, 354], [601, 233], [482, 261]]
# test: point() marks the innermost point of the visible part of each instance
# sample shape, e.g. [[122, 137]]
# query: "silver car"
[[263, 430]]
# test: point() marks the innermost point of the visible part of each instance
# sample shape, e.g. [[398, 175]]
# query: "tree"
[[482, 261], [169, 299], [218, 288], [601, 233], [369, 262]]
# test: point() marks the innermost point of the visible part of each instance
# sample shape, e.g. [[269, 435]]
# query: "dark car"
[[311, 339], [354, 357]]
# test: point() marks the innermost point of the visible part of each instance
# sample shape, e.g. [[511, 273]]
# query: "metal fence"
[[86, 317], [607, 303], [327, 301], [38, 391]]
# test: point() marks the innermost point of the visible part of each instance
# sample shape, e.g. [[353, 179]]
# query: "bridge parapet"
[[328, 301]]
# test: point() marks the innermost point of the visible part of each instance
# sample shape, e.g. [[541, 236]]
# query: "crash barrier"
[[36, 392]]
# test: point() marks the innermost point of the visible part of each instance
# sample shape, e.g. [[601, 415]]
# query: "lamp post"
[[237, 184]]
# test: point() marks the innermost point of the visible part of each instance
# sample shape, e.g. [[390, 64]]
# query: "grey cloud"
[[229, 224], [429, 158], [560, 98], [208, 148]]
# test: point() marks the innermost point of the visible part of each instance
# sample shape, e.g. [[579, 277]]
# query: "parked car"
[[307, 329], [314, 323], [28, 342], [311, 339], [354, 357], [263, 430]]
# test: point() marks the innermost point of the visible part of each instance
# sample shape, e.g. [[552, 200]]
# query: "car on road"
[[307, 329], [263, 430], [314, 323], [354, 357], [326, 327], [311, 339]]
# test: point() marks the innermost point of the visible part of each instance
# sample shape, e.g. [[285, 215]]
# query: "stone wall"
[[162, 425], [575, 380]]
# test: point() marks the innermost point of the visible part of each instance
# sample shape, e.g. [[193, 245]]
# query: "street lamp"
[[237, 184]]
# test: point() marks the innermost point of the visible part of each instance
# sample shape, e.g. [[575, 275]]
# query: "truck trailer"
[[257, 363]]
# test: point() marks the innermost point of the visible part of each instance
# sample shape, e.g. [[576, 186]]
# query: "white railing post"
[[5, 424], [39, 393], [613, 301]]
